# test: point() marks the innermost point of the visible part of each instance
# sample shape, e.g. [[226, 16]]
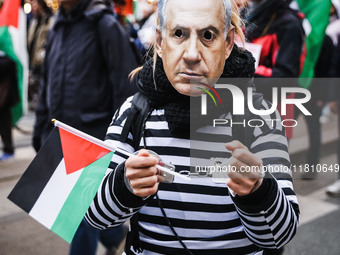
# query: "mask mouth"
[[191, 76]]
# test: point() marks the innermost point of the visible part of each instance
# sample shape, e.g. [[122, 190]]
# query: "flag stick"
[[109, 147]]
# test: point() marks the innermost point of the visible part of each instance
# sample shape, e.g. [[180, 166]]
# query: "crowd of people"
[[88, 63]]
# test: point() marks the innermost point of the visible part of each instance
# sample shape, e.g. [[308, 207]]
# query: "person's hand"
[[142, 173], [247, 178], [334, 106]]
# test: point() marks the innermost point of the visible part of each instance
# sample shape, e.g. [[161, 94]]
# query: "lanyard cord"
[[158, 200], [143, 128], [172, 228]]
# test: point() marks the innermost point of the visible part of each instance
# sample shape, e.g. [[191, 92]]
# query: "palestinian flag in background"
[[317, 14], [59, 185], [13, 43]]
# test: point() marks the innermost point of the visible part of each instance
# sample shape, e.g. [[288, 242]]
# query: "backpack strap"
[[134, 124], [132, 238], [140, 110]]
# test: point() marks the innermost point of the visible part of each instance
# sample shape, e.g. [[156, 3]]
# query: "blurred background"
[[313, 143]]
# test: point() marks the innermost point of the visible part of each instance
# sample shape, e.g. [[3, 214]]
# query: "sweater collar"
[[156, 86]]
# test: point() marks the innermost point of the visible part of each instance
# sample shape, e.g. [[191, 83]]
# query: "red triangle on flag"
[[9, 13], [78, 152]]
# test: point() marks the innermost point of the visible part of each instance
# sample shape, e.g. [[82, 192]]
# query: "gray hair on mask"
[[162, 15]]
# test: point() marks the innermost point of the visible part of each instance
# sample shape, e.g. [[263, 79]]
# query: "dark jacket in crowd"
[[334, 73], [321, 87], [279, 30], [9, 93], [85, 71], [36, 39]]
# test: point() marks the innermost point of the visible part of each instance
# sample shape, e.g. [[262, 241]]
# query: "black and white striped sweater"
[[204, 214]]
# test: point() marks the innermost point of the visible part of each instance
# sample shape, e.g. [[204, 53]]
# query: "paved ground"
[[319, 230]]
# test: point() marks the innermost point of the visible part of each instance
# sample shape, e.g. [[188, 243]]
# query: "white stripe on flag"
[[19, 36], [54, 195]]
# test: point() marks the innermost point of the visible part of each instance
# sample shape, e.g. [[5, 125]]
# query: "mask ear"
[[159, 40], [229, 41]]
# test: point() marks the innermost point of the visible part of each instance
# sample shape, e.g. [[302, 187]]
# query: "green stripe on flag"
[[6, 45], [317, 13], [80, 198]]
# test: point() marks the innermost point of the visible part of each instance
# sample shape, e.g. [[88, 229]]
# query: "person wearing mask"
[[84, 80], [248, 212]]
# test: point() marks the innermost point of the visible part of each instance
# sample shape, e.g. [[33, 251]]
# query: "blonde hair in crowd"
[[236, 21]]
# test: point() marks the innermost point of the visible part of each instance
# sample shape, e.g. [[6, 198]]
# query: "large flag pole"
[[110, 146]]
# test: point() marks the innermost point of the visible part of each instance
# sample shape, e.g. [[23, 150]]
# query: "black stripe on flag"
[[28, 189]]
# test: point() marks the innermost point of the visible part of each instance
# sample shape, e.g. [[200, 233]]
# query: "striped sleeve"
[[114, 203], [270, 215]]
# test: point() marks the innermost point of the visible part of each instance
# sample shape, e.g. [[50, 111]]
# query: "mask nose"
[[192, 53]]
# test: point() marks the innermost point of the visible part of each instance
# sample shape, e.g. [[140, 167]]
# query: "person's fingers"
[[242, 170], [142, 160], [241, 186], [145, 192], [235, 144], [241, 179], [245, 156], [145, 182], [245, 172], [143, 153], [134, 173], [160, 178], [240, 152]]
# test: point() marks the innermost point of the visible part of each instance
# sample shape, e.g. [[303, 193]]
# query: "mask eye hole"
[[208, 36], [178, 33]]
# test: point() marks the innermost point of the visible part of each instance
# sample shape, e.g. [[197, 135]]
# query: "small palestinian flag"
[[59, 185]]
